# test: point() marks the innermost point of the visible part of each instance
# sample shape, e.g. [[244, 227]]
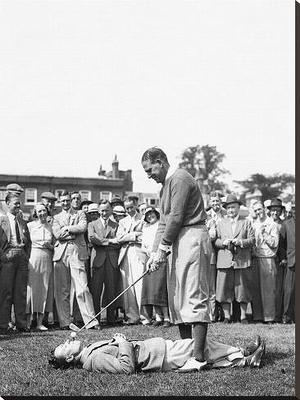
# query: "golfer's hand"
[[119, 338], [226, 242], [157, 260]]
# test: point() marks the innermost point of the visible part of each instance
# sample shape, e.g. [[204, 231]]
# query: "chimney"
[[101, 171], [115, 168]]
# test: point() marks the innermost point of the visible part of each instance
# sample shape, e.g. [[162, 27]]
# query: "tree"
[[203, 162], [271, 186]]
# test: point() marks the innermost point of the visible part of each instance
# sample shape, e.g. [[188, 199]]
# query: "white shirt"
[[13, 237], [233, 223]]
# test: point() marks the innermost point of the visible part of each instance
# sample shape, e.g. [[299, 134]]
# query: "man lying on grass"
[[120, 356]]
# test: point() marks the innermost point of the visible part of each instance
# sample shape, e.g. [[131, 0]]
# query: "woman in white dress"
[[40, 265]]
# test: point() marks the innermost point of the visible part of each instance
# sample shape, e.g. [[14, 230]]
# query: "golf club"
[[74, 334]]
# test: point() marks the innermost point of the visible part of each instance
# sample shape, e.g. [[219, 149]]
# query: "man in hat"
[[48, 199], [215, 213], [264, 266], [15, 189], [287, 260], [182, 230], [15, 247], [235, 238], [104, 260], [276, 208]]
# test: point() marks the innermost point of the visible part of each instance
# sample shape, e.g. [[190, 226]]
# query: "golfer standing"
[[182, 228]]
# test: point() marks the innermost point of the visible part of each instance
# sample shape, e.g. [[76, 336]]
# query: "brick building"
[[105, 186]]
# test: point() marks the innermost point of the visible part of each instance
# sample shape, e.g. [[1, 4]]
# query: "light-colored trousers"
[[212, 290], [131, 269], [70, 269]]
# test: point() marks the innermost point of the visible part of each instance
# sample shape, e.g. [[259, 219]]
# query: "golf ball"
[[73, 335]]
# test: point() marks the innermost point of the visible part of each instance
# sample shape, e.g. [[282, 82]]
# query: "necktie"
[[17, 231]]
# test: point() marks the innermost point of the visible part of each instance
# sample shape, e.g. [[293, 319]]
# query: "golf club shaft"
[[116, 298]]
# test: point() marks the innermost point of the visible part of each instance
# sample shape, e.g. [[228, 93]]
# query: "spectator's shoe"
[[157, 323], [252, 346], [96, 327], [192, 365], [24, 329], [226, 321], [131, 322], [166, 324], [244, 321], [286, 320], [41, 328]]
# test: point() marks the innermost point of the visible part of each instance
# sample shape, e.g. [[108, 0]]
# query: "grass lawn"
[[24, 368]]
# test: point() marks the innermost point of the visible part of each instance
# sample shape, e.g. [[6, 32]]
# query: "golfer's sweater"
[[181, 205]]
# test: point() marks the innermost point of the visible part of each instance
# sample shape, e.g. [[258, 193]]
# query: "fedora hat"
[[93, 207], [14, 187], [48, 195], [230, 199], [275, 203], [119, 210]]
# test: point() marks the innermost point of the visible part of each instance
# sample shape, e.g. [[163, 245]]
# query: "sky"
[[81, 81]]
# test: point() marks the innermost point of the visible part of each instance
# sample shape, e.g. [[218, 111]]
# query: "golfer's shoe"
[[192, 365], [252, 346]]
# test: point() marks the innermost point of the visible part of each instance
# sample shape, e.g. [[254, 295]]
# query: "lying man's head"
[[64, 355]]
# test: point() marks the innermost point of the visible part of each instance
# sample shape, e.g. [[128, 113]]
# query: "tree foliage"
[[271, 186], [205, 162]]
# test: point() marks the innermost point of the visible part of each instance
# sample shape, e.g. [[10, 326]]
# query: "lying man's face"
[[68, 350]]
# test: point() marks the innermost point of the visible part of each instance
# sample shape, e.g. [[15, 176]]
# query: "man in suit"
[[183, 231], [129, 235], [235, 238], [15, 189], [104, 260], [70, 253], [214, 215], [15, 247], [287, 260], [121, 356]]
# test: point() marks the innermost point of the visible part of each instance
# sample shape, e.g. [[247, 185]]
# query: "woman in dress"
[[154, 290], [40, 265]]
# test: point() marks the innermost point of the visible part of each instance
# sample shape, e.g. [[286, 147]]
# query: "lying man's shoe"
[[252, 346], [257, 356], [192, 365]]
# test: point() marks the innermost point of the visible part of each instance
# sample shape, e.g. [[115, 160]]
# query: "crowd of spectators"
[[59, 270]]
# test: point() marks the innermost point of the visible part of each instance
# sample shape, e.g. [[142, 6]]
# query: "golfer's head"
[[65, 353], [155, 164]]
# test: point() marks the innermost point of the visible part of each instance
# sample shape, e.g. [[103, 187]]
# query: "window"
[[105, 196], [85, 194], [30, 196], [3, 193], [151, 201], [58, 193]]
